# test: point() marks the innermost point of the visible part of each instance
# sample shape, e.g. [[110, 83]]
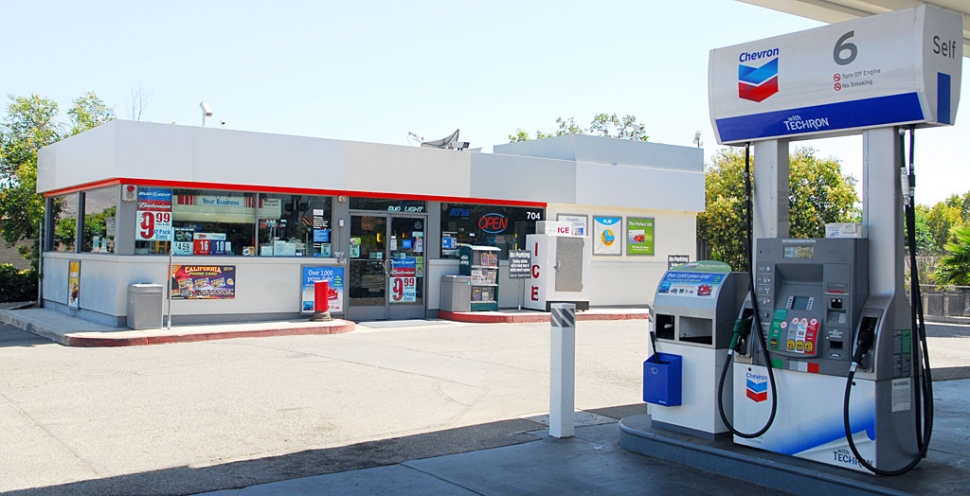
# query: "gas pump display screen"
[[799, 251], [800, 303]]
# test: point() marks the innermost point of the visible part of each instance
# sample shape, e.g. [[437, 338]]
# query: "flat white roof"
[[581, 170]]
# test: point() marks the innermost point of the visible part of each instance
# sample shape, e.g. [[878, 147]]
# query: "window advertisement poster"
[[577, 224], [203, 282], [403, 281], [153, 215], [321, 235], [183, 241], [74, 284], [335, 287], [606, 236], [354, 247], [210, 244], [418, 242], [639, 240]]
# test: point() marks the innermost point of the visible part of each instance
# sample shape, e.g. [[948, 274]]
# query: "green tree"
[[925, 244], [89, 112], [960, 203], [31, 124], [941, 219], [721, 225], [819, 194], [607, 125], [954, 267]]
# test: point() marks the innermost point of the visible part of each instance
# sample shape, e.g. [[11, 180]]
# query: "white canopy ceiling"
[[832, 11]]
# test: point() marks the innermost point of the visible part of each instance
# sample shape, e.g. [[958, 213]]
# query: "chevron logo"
[[756, 390], [758, 83]]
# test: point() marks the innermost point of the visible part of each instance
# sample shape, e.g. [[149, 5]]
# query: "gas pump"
[[835, 368]]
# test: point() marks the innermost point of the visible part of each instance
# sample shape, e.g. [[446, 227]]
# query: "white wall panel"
[[269, 160], [151, 151], [408, 170], [638, 187], [80, 159], [508, 177]]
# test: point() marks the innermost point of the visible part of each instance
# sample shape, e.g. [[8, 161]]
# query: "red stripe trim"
[[82, 187], [289, 191]]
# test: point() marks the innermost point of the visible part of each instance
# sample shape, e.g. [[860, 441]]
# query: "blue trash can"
[[663, 379]]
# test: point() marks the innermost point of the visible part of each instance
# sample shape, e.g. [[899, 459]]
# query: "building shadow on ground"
[[240, 474]]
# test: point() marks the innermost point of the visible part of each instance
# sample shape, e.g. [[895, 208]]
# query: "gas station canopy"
[[832, 11]]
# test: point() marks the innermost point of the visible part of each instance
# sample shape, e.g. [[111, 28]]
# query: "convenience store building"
[[246, 219]]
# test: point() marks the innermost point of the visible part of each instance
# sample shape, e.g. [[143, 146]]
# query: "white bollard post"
[[562, 370]]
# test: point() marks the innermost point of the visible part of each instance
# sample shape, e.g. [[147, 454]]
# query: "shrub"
[[17, 285]]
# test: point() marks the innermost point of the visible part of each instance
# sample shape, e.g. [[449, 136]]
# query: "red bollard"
[[321, 301]]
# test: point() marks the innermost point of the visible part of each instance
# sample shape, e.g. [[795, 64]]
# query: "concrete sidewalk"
[[589, 463], [71, 331], [593, 462]]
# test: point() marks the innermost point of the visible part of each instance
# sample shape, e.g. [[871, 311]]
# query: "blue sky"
[[372, 71]]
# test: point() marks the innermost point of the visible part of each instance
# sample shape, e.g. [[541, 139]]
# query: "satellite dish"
[[449, 142]]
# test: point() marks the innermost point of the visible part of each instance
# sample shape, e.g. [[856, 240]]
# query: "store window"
[[295, 226], [63, 216], [202, 222], [486, 225], [224, 223], [100, 214]]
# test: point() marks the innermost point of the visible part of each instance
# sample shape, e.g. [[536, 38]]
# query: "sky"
[[374, 71]]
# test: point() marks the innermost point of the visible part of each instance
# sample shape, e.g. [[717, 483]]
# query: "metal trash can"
[[145, 306], [456, 293]]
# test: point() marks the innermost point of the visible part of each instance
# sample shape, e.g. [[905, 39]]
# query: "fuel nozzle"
[[864, 341], [742, 328]]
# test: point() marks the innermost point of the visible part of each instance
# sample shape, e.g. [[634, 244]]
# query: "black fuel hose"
[[922, 373], [756, 322]]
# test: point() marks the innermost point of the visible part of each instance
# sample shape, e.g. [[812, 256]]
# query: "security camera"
[[222, 122], [206, 110]]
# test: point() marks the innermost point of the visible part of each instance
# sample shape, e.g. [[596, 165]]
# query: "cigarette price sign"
[[403, 280]]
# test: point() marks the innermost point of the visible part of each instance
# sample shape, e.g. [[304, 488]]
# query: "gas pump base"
[[945, 470]]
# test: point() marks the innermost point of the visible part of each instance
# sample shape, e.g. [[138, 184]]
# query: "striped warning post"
[[563, 315], [562, 370]]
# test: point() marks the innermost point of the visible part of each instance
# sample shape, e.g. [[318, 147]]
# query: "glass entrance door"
[[406, 286], [387, 271]]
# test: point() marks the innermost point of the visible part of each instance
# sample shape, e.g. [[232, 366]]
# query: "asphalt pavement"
[[413, 407]]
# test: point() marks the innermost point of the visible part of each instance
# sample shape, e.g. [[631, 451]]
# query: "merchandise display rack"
[[481, 264]]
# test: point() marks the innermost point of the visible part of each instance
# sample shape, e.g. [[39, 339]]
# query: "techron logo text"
[[756, 83], [756, 387], [796, 123]]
